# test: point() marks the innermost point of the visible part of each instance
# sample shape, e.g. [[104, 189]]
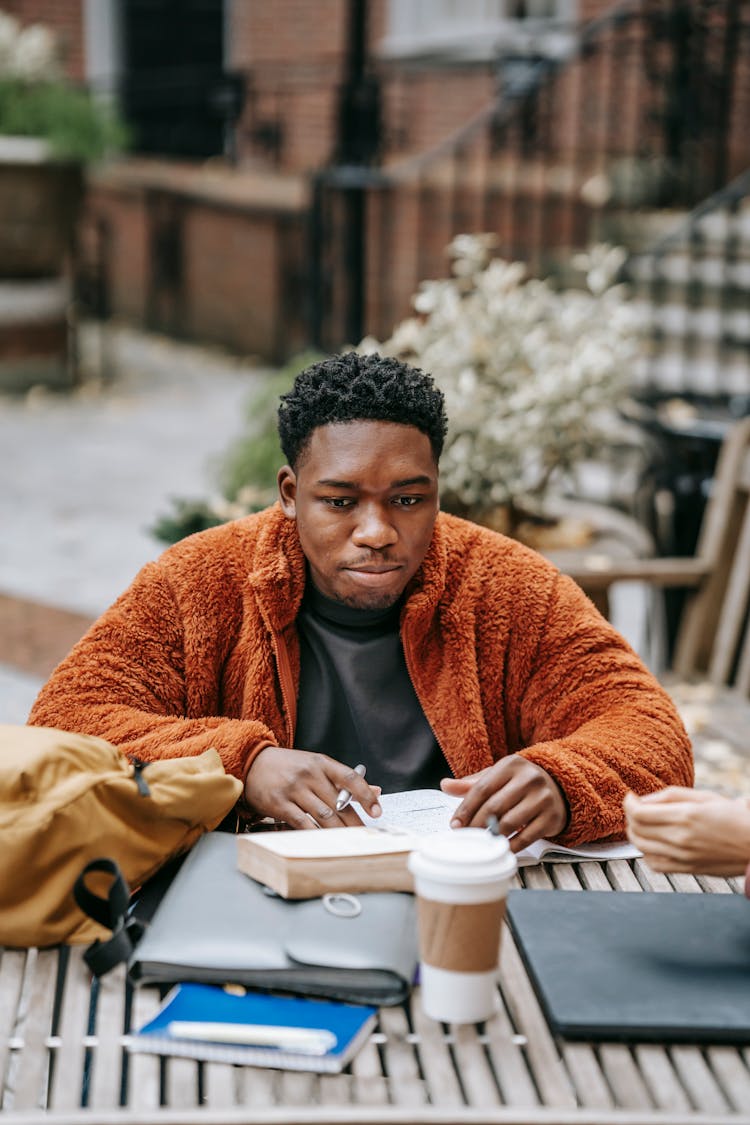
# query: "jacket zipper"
[[286, 680], [407, 662]]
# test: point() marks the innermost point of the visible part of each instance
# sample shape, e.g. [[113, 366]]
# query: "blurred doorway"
[[175, 93]]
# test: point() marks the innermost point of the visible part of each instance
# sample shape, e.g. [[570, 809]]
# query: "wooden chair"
[[709, 677], [713, 641]]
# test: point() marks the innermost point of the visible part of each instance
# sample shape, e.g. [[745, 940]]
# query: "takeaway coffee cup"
[[461, 880]]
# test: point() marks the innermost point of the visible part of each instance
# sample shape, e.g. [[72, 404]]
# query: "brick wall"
[[423, 106], [237, 282], [243, 267], [125, 257], [292, 53], [240, 275]]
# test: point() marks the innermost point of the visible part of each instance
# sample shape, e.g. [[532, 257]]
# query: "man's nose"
[[374, 528]]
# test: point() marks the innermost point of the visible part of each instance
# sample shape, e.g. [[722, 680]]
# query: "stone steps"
[[678, 268], [692, 287], [676, 373], [710, 323]]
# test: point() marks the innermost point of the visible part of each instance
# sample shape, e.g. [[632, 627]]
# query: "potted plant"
[[49, 129]]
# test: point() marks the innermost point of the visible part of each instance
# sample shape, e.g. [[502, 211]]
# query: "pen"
[[306, 1040], [345, 796]]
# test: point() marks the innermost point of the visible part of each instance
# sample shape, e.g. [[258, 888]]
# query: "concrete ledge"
[[34, 334], [28, 302], [214, 184]]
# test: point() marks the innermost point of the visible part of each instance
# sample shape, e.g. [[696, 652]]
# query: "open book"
[[420, 811], [374, 857]]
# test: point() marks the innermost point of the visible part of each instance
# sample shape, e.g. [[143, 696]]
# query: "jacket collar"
[[279, 574]]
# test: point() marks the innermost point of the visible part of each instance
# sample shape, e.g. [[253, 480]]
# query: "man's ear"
[[287, 485]]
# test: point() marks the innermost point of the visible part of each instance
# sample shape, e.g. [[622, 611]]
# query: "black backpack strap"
[[110, 912]]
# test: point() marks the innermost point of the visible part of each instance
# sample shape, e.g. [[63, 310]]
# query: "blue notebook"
[[207, 1022]]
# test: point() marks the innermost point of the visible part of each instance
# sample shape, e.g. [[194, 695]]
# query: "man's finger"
[[486, 785], [458, 785], [516, 803], [349, 819], [351, 783], [527, 835], [321, 805], [508, 804]]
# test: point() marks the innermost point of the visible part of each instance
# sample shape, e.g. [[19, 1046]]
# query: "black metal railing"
[[639, 116]]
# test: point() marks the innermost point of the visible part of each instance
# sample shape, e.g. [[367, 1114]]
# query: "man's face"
[[365, 498]]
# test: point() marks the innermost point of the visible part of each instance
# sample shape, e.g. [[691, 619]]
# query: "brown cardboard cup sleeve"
[[460, 937]]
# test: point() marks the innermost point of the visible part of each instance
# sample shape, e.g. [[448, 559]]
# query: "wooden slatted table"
[[61, 1060]]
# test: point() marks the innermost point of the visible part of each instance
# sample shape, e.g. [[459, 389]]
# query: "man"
[[352, 624]]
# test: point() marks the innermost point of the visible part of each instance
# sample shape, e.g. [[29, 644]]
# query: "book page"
[[333, 842], [420, 812], [417, 812], [548, 852]]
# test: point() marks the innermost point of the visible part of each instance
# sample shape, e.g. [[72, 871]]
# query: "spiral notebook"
[[206, 1022]]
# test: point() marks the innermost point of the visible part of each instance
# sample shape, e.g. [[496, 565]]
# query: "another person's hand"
[[300, 788], [690, 830], [526, 800]]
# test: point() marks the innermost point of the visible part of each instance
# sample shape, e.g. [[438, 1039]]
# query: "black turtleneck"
[[356, 700]]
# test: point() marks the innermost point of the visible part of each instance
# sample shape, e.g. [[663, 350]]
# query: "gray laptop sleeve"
[[215, 924]]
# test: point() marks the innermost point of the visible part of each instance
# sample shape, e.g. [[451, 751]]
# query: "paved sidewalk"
[[85, 475]]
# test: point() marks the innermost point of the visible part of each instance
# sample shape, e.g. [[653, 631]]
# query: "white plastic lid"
[[464, 855]]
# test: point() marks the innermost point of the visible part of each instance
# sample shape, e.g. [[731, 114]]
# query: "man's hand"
[[690, 830], [300, 788], [526, 800]]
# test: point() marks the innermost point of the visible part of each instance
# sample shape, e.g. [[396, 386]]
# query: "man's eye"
[[338, 502], [408, 501]]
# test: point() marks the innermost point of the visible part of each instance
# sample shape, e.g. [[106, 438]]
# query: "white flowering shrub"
[[29, 52], [531, 373], [37, 101]]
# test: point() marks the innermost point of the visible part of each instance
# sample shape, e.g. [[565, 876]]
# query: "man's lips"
[[372, 572], [383, 568]]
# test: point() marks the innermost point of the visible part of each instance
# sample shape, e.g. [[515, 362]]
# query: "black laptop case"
[[633, 967]]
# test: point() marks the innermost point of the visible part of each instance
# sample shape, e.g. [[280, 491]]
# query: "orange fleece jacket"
[[506, 655]]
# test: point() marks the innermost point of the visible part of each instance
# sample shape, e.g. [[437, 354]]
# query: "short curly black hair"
[[350, 388]]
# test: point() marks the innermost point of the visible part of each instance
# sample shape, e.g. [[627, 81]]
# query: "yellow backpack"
[[67, 799]]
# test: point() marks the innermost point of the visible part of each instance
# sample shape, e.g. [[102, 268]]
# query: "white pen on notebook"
[[306, 1040], [344, 797]]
